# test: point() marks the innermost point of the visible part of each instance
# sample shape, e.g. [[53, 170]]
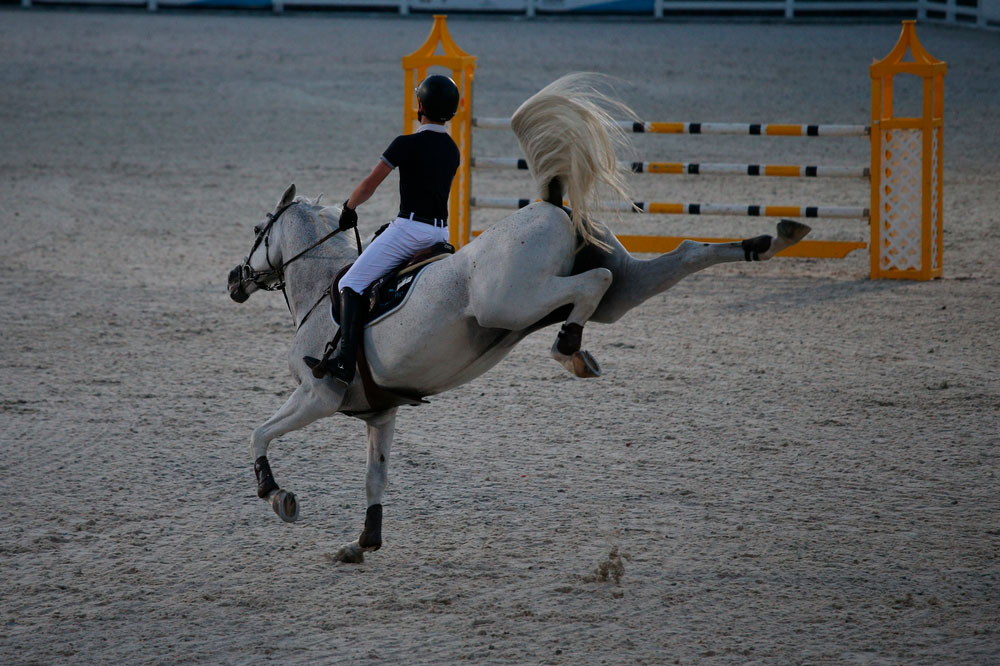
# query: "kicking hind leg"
[[763, 248], [515, 309], [309, 402], [636, 280]]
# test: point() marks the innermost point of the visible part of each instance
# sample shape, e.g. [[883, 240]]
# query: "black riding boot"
[[342, 366]]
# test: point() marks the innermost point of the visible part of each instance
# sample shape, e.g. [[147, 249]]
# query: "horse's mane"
[[328, 215], [567, 133], [327, 219]]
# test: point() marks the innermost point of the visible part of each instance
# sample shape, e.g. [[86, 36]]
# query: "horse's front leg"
[[636, 280], [312, 400], [380, 432]]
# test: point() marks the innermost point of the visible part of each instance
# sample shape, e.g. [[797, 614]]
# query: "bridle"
[[273, 278], [263, 278]]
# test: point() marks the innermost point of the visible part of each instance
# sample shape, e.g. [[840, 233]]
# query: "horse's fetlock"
[[371, 535], [265, 479], [569, 339], [753, 248]]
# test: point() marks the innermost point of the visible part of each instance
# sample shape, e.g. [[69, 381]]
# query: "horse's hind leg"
[[637, 280], [380, 433], [566, 348], [516, 309], [309, 402]]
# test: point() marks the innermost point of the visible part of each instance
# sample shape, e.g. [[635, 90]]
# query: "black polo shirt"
[[427, 162]]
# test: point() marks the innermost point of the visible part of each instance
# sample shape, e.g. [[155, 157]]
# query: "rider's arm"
[[366, 188]]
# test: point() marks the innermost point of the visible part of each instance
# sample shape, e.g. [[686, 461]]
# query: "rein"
[[323, 240], [265, 235]]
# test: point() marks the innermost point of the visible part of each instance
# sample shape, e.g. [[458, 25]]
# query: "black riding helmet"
[[439, 95]]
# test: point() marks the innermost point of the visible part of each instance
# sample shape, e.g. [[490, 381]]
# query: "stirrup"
[[316, 365], [319, 365], [340, 372], [333, 367]]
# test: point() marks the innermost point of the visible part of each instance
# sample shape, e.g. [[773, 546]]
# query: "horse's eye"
[[256, 230]]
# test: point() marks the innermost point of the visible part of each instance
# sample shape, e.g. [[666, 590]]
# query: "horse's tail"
[[569, 141]]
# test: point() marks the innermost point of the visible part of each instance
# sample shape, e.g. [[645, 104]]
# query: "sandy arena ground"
[[794, 464]]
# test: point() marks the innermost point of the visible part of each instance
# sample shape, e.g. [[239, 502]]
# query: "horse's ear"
[[287, 197]]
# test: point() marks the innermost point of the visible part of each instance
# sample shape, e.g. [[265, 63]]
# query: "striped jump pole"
[[661, 244], [746, 129], [665, 208], [702, 168]]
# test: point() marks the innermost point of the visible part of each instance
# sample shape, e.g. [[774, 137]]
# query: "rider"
[[427, 161]]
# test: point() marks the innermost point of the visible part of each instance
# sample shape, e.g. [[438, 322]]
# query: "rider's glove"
[[348, 218]]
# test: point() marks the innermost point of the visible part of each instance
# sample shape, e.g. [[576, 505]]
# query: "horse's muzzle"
[[236, 290]]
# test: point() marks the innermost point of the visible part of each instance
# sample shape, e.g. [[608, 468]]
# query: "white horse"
[[464, 313]]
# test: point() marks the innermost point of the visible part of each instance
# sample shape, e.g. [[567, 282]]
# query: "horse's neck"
[[309, 276]]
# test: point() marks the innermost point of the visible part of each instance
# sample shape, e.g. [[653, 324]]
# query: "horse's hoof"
[[352, 553], [285, 505], [793, 231], [790, 232], [585, 365], [580, 363]]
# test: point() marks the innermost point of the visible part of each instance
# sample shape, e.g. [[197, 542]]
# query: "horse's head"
[[262, 268]]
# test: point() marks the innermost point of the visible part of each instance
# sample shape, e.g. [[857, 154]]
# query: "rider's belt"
[[434, 221]]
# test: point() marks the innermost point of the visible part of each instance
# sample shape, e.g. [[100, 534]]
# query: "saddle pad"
[[387, 292], [389, 295]]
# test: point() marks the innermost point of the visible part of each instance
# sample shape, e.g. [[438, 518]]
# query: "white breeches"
[[400, 241]]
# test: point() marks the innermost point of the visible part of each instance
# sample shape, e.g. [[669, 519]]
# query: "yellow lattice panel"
[[906, 169]]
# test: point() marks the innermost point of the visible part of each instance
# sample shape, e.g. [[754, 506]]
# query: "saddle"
[[384, 295], [388, 292]]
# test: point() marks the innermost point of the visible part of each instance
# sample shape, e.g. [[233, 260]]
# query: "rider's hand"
[[348, 218]]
